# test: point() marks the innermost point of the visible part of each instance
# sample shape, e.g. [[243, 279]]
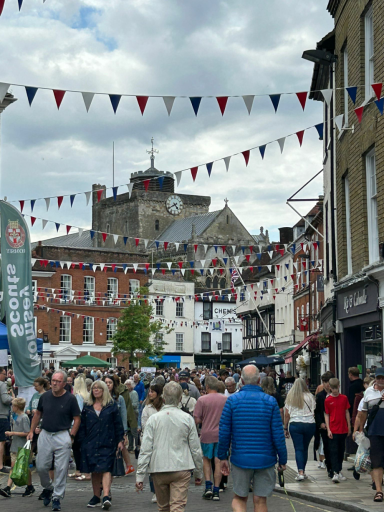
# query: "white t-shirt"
[[304, 415], [230, 394]]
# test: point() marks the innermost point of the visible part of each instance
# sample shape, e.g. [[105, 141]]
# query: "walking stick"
[[280, 474]]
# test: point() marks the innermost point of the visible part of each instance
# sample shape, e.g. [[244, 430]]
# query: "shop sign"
[[354, 299], [357, 301]]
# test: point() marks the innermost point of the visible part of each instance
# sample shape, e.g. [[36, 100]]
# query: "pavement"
[[317, 494]]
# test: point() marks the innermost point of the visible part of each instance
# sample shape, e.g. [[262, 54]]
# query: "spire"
[[152, 153]]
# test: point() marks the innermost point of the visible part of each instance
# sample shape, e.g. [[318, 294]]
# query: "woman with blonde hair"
[[300, 415], [81, 394], [101, 436]]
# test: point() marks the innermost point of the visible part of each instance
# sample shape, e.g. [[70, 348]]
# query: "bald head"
[[250, 374]]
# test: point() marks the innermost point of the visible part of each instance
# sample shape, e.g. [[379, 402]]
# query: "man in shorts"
[[251, 426], [207, 413]]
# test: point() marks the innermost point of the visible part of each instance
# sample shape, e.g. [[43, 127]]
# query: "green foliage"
[[138, 335]]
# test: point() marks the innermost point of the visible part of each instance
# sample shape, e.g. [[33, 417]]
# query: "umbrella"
[[263, 360], [86, 361]]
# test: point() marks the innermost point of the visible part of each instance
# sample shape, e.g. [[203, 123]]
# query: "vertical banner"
[[18, 295]]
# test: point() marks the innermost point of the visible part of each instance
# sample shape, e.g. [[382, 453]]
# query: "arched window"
[[227, 219], [223, 283], [126, 227], [208, 282], [108, 228], [215, 282], [157, 225]]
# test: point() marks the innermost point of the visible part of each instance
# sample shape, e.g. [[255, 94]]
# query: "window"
[[206, 342], [227, 342], [159, 339], [88, 332], [208, 282], [112, 361], [207, 310], [227, 219], [179, 341], [348, 225], [65, 329], [179, 308], [112, 288], [157, 225], [369, 54], [111, 328], [66, 287], [298, 317], [134, 286], [272, 323], [159, 308], [215, 282], [373, 228], [89, 288], [34, 290], [223, 283], [326, 241], [345, 73]]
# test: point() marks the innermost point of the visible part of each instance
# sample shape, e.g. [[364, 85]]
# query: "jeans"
[[132, 439], [336, 450], [301, 434]]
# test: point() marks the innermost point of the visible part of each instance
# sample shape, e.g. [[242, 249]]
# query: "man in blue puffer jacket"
[[251, 426]]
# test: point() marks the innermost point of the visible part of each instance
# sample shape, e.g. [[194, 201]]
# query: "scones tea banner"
[[18, 295]]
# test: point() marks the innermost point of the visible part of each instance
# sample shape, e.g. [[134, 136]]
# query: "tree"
[[138, 335]]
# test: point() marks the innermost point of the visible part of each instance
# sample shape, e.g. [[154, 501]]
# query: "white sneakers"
[[338, 477], [299, 477], [322, 465], [154, 499]]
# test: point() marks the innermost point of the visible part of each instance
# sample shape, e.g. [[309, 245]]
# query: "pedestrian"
[[81, 394], [251, 427], [170, 463], [300, 416], [268, 386], [101, 435], [40, 384], [20, 429], [288, 382], [132, 431], [193, 391], [60, 415], [338, 423], [187, 402], [373, 409], [262, 375], [207, 412], [5, 402], [320, 422], [230, 386]]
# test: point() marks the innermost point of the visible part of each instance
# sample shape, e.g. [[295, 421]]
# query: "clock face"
[[174, 205]]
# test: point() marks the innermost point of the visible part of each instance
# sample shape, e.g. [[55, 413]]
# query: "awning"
[[285, 351], [167, 359], [288, 357]]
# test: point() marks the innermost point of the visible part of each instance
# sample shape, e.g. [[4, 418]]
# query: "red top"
[[336, 406]]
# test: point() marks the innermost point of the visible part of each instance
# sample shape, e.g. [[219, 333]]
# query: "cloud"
[[163, 48]]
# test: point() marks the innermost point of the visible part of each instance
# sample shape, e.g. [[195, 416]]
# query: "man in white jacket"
[[170, 462]]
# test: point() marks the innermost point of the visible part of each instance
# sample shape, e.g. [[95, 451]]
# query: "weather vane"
[[152, 153]]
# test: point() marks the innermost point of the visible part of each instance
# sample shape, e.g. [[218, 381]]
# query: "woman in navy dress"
[[101, 434]]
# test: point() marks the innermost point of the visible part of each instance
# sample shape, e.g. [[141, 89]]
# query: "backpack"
[[185, 408]]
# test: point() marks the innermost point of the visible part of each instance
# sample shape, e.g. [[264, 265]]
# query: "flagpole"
[[254, 302]]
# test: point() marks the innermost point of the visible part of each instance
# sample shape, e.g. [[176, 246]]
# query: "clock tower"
[[143, 214]]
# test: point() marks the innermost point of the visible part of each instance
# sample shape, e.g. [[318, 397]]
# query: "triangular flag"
[[125, 240], [142, 101], [59, 95], [33, 220], [33, 201], [320, 130], [87, 197], [160, 179], [59, 201], [57, 224], [248, 100], [115, 238], [99, 194], [302, 97], [352, 91], [87, 98], [178, 177], [165, 245], [227, 159], [327, 95], [92, 234], [47, 202], [339, 120], [359, 112], [246, 157], [275, 98], [114, 191], [104, 236], [195, 101], [262, 150], [380, 105], [130, 188], [72, 198], [146, 184], [377, 89], [137, 240], [68, 229], [145, 243], [194, 172], [300, 136], [80, 231], [169, 101], [115, 100], [177, 245], [202, 263], [209, 168], [281, 144], [2, 2], [222, 101], [31, 93], [3, 90], [44, 222]]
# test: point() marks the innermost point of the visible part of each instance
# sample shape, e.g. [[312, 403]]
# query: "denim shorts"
[[210, 450], [262, 480]]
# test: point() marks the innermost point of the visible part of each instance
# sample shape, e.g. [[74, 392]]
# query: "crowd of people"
[[182, 424]]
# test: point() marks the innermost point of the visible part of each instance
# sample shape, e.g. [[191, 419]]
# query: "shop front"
[[359, 327]]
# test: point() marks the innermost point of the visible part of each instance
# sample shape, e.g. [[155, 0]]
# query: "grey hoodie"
[[5, 400]]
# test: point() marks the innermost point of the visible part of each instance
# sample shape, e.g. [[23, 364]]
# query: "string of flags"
[[195, 101]]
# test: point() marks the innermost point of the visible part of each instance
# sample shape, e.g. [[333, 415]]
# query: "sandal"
[[72, 475], [80, 478], [378, 497]]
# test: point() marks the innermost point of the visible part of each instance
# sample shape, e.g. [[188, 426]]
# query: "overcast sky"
[[166, 47]]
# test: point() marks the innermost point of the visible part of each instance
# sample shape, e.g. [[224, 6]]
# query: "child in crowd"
[[338, 422], [20, 430]]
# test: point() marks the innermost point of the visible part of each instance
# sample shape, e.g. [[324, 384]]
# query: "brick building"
[[359, 184], [77, 309]]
